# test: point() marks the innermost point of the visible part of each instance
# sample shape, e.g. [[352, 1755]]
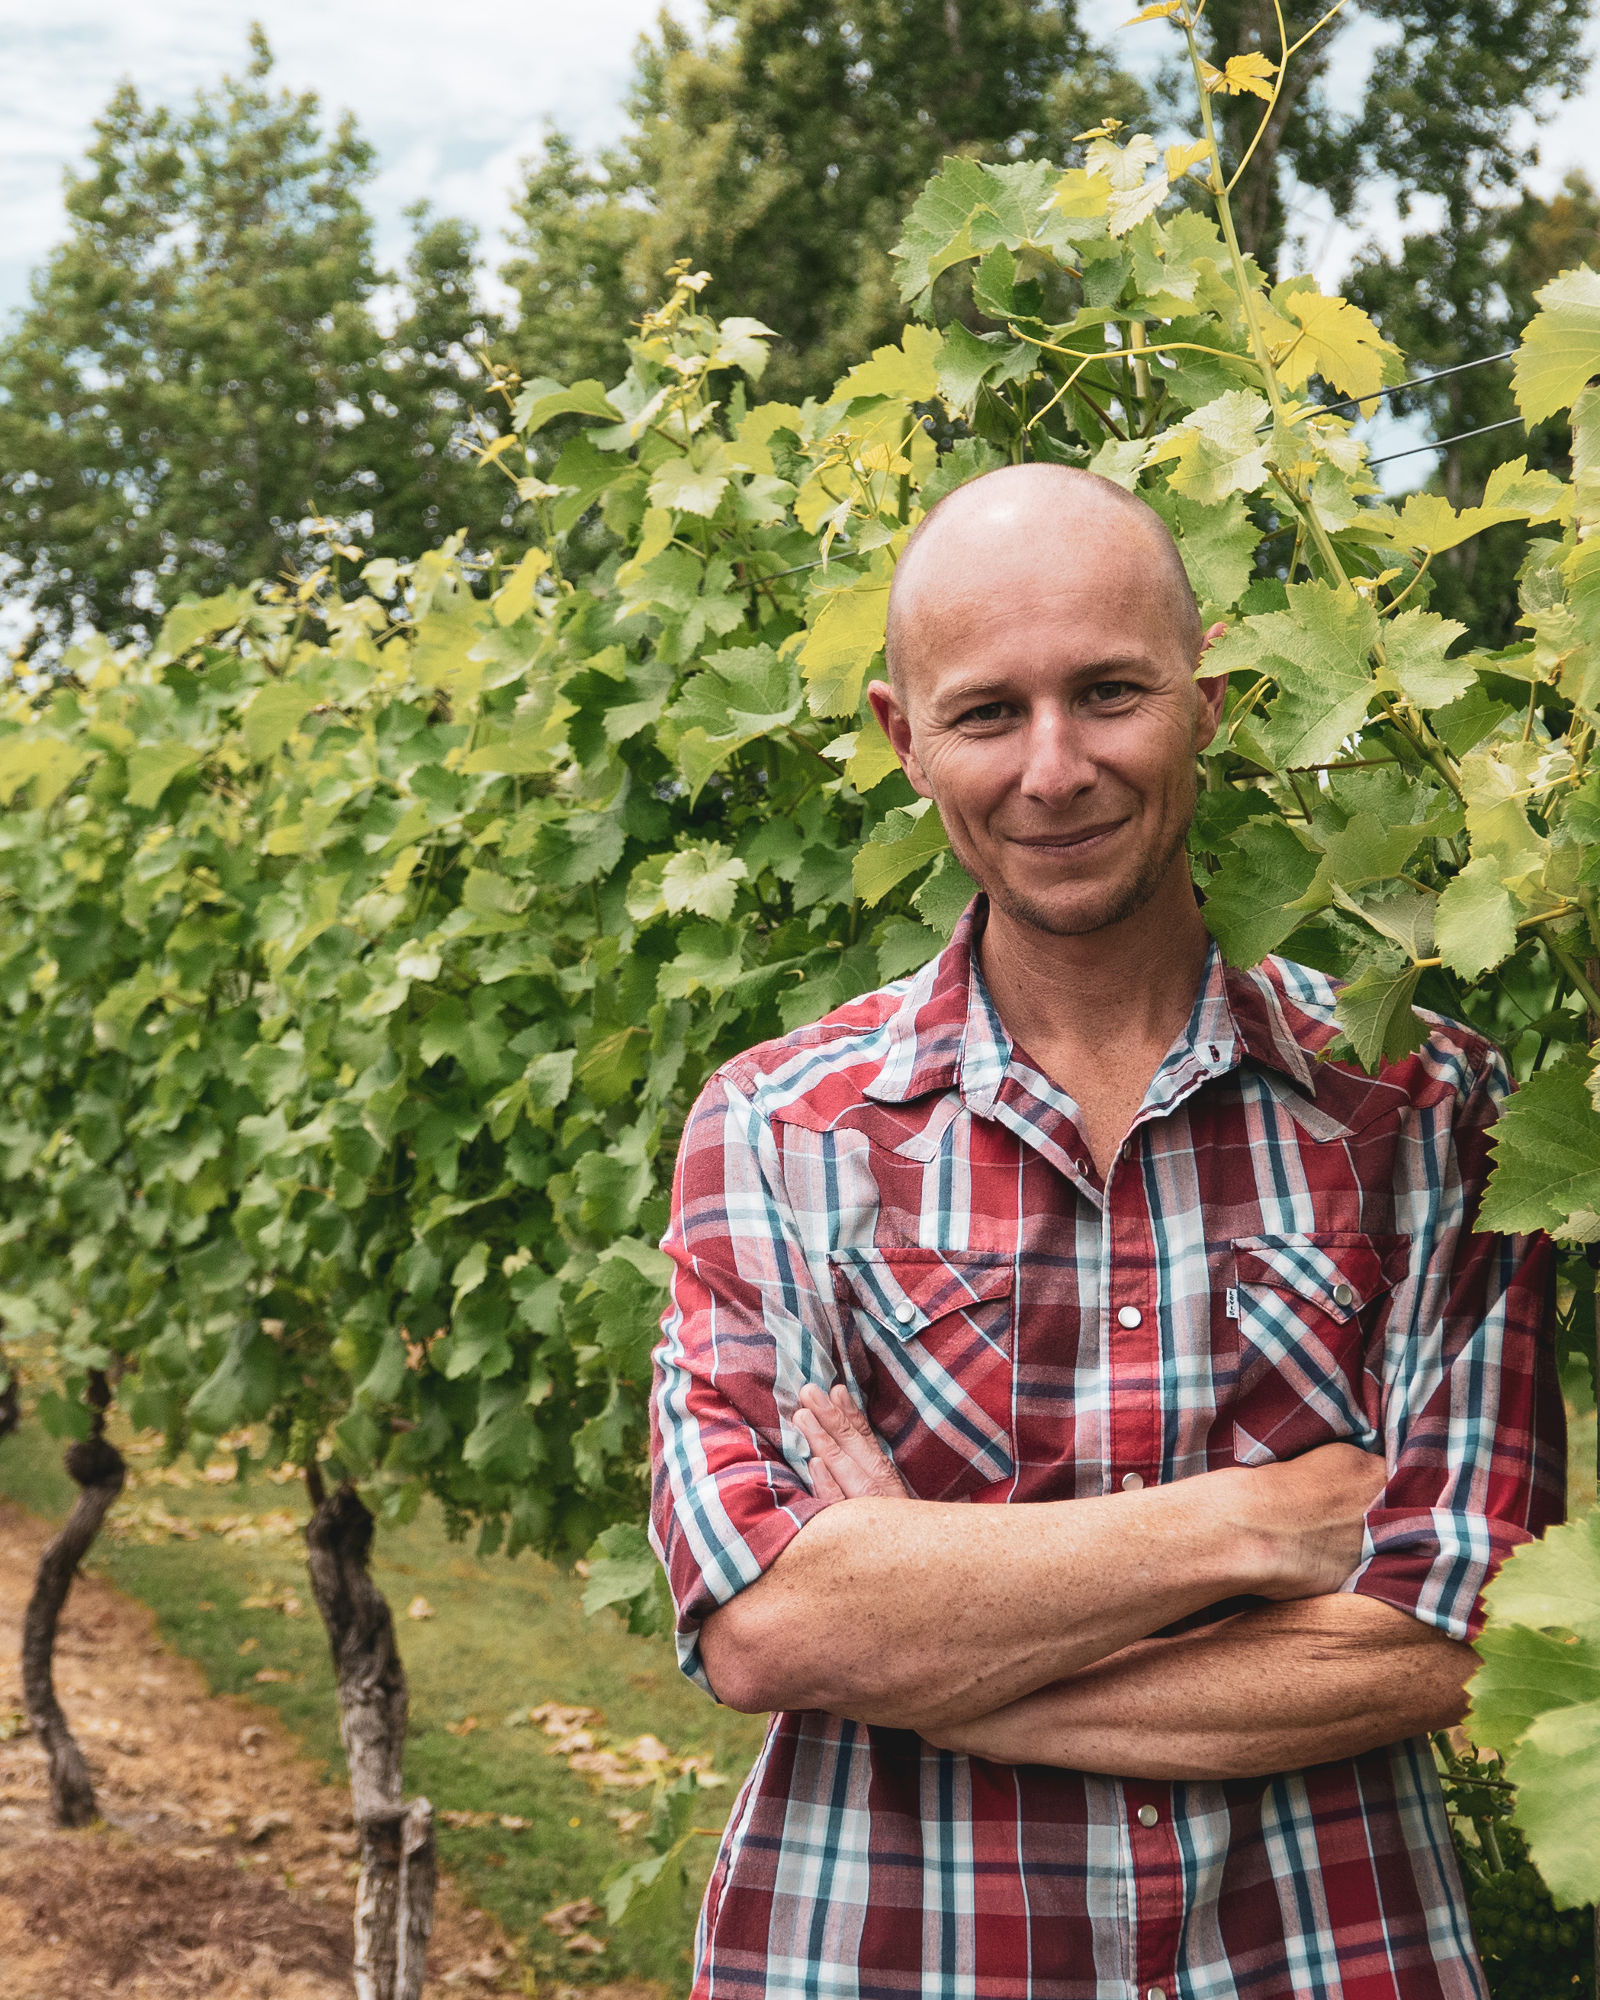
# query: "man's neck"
[[1099, 1011]]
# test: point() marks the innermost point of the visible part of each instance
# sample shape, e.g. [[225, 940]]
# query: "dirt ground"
[[224, 1865]]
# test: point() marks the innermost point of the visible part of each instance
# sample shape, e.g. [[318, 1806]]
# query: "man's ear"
[[1212, 689], [896, 725]]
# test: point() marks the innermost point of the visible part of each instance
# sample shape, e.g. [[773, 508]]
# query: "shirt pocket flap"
[[906, 1291], [1339, 1272]]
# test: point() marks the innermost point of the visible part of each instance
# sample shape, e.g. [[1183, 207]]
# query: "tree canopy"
[[199, 368]]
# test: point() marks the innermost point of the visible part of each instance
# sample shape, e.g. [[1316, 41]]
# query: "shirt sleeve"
[[745, 1330], [1474, 1425]]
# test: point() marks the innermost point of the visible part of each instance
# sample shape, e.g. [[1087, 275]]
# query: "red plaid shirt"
[[897, 1198]]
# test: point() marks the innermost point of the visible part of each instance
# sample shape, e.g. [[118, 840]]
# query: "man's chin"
[[1076, 912]]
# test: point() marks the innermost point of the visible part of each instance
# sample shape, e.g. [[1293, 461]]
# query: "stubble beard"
[[1123, 899]]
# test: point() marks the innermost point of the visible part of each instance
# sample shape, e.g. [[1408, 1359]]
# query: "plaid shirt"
[[897, 1198]]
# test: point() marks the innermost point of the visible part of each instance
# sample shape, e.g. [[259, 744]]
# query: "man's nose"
[[1055, 765]]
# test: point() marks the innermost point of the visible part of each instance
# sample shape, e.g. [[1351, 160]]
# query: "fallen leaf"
[[584, 1946], [263, 1825], [419, 1607], [464, 1727], [251, 1739], [274, 1676], [566, 1918]]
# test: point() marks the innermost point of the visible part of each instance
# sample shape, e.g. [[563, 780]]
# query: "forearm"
[[922, 1614], [1276, 1689]]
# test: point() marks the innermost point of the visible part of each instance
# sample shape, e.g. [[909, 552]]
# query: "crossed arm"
[[1023, 1633]]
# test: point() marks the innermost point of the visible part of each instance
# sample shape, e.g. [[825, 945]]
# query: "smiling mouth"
[[1069, 843]]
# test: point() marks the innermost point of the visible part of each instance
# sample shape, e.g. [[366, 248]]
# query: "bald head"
[[1034, 529]]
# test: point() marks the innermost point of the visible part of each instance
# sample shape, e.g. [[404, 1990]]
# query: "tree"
[[1438, 117], [780, 150], [1458, 295], [198, 368]]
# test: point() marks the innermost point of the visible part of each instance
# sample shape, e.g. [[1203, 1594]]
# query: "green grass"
[[507, 1635]]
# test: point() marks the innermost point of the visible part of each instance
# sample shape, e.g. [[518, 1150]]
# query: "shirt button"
[[1343, 1295], [1148, 1815], [1133, 1482], [1129, 1316], [905, 1312], [1156, 1993]]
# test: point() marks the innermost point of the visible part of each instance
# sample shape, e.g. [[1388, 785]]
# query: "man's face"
[[1049, 707]]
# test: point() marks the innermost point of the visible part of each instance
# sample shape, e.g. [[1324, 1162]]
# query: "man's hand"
[[847, 1461], [1307, 1514]]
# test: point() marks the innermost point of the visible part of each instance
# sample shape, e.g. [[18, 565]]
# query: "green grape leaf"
[[625, 1575], [1559, 354], [1318, 650], [1218, 546], [1376, 1014], [1476, 923], [703, 879], [1414, 646], [1250, 901], [900, 843], [1547, 1158], [1218, 449], [541, 402], [1362, 851], [908, 370], [1536, 1697], [846, 638], [152, 768], [1556, 1770], [275, 712]]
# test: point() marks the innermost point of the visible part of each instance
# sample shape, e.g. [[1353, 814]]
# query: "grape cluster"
[[1530, 1949]]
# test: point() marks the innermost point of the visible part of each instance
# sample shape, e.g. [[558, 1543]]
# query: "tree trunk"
[[394, 1899], [96, 1466]]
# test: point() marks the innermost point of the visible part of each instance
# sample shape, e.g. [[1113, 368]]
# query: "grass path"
[[504, 1637]]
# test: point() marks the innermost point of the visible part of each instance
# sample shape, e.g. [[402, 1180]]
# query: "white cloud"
[[452, 98]]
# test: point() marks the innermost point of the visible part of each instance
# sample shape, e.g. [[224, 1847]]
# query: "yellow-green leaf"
[[909, 370], [1338, 342], [1560, 351], [515, 595], [845, 639]]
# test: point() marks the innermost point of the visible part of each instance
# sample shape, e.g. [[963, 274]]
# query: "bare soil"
[[224, 1864]]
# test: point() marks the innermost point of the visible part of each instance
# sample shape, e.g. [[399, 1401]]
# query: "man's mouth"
[[1079, 840]]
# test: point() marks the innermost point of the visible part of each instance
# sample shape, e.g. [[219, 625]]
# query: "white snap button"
[[1148, 1815], [1132, 1482], [1343, 1296], [1156, 1993], [905, 1312], [1129, 1316]]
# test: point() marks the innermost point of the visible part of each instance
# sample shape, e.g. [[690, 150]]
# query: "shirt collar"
[[946, 1032]]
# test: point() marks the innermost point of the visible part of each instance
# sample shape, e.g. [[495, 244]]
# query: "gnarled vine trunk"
[[394, 1900], [96, 1466]]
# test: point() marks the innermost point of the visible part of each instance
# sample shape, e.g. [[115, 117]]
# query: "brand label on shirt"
[[1230, 1301]]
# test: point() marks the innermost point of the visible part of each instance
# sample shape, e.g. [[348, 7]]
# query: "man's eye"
[[1107, 692], [986, 711]]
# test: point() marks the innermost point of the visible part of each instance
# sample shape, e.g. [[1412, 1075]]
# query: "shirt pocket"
[[1305, 1308], [928, 1337]]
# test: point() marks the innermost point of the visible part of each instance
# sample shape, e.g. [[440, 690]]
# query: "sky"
[[452, 97], [455, 98]]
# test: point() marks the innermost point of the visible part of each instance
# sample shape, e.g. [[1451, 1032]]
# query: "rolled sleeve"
[[1474, 1425], [745, 1330]]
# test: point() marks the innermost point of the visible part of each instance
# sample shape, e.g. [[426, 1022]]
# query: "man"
[[1084, 1416]]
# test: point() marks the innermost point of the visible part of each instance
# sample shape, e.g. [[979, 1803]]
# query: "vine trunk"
[[394, 1899]]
